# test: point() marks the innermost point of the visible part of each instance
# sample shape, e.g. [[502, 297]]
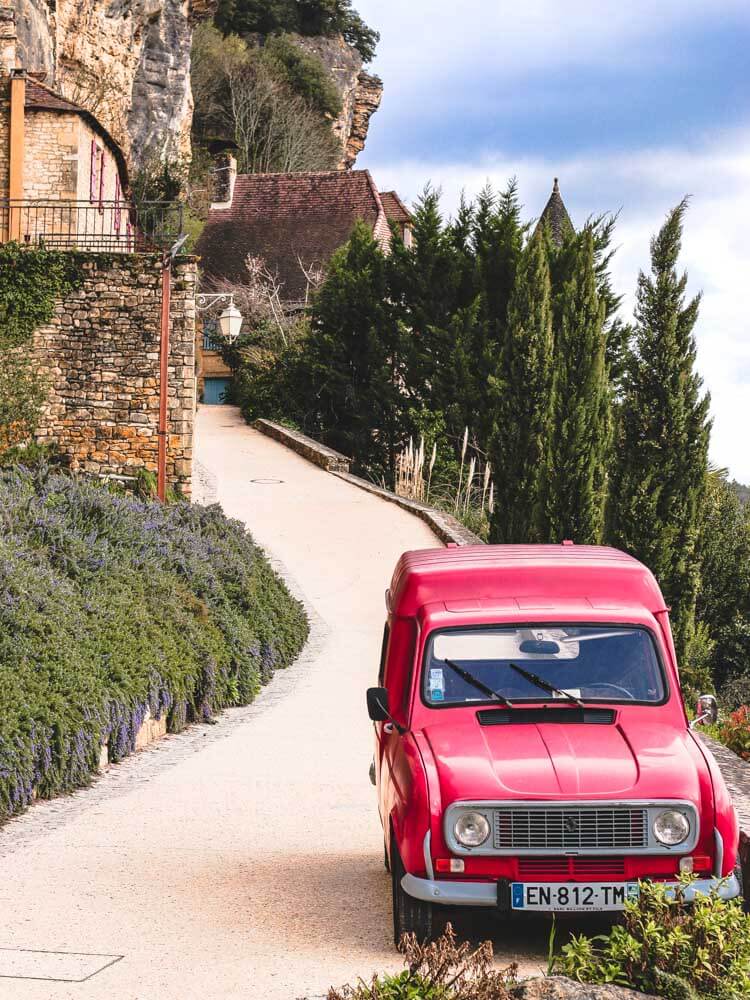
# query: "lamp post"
[[230, 318]]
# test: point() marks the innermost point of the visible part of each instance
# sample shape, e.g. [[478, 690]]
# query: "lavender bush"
[[112, 607]]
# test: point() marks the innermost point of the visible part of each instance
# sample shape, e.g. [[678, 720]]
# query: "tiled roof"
[[40, 97], [395, 209], [288, 218], [555, 215]]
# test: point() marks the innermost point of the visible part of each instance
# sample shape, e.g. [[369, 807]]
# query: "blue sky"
[[631, 105]]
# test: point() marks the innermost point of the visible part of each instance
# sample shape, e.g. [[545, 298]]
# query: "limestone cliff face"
[[360, 93], [127, 61]]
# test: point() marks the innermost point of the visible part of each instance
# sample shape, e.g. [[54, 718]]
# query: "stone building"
[[293, 223], [64, 185], [63, 178]]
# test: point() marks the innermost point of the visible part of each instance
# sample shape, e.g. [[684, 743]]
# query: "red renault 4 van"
[[532, 751]]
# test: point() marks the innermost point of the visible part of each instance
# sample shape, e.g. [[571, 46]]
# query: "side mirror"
[[377, 704], [706, 710]]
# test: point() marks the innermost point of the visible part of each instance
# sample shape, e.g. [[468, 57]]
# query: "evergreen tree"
[[423, 281], [498, 245], [662, 438], [521, 396], [574, 477], [354, 358], [723, 604]]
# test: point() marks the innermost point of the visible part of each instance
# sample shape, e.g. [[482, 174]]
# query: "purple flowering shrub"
[[112, 607]]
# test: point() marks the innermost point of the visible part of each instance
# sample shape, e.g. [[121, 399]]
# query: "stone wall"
[[4, 141], [100, 355], [50, 167]]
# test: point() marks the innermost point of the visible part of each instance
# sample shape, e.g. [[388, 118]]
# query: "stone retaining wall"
[[100, 355]]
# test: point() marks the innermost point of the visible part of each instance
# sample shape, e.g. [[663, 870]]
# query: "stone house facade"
[[56, 152]]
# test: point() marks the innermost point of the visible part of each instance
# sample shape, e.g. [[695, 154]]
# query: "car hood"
[[550, 760]]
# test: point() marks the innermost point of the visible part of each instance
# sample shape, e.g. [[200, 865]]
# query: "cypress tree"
[[663, 433], [574, 477], [354, 357], [521, 394]]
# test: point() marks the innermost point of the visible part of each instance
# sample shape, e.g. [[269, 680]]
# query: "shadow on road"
[[312, 900]]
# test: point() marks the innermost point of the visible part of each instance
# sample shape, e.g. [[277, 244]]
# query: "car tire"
[[410, 915], [386, 859]]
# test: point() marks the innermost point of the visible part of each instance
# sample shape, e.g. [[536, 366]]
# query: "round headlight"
[[471, 829], [671, 827]]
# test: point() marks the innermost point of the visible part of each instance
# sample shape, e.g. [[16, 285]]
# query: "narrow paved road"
[[241, 860]]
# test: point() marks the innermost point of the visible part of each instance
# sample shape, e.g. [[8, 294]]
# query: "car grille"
[[583, 868], [570, 829]]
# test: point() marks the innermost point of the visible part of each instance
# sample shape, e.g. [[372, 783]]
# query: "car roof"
[[591, 573]]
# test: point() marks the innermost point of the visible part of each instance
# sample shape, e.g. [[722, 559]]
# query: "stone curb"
[[318, 454], [448, 528]]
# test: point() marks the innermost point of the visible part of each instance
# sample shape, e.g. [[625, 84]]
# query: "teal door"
[[215, 390]]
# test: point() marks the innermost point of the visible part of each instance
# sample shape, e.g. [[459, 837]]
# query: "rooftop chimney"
[[225, 174]]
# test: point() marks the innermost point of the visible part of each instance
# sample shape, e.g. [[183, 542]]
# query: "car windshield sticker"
[[437, 684]]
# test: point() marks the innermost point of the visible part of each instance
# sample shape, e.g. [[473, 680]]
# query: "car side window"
[[383, 651]]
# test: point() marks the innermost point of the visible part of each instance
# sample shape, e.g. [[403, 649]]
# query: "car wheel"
[[410, 915]]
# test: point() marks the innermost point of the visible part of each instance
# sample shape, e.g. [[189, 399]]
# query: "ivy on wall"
[[31, 280]]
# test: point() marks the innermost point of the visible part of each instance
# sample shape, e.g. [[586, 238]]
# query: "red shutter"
[[118, 210], [93, 184], [101, 181]]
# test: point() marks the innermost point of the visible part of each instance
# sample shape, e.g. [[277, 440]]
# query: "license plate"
[[571, 896]]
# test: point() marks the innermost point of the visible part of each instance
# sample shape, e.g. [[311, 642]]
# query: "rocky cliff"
[[127, 61], [360, 92]]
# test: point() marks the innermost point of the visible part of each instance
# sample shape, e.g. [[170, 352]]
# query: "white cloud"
[[435, 37], [645, 184]]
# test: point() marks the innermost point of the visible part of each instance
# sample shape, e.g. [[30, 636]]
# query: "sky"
[[632, 105]]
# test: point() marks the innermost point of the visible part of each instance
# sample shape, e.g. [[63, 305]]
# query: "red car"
[[532, 751]]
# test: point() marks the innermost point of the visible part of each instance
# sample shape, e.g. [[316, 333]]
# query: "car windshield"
[[590, 662]]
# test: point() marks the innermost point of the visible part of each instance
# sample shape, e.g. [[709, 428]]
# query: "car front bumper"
[[449, 893]]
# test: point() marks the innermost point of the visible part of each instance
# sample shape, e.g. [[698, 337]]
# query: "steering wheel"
[[615, 687]]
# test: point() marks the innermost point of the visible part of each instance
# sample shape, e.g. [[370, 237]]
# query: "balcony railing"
[[107, 226]]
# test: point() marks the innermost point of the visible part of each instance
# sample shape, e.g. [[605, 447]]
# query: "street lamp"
[[230, 322], [230, 319]]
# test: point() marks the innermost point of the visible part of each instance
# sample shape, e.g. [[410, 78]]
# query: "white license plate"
[[571, 896]]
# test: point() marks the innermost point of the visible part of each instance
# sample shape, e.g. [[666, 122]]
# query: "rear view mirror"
[[377, 704], [543, 646], [706, 710]]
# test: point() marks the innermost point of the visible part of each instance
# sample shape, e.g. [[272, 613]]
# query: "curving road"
[[242, 860]]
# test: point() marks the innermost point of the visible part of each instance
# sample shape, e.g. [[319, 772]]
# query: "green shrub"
[[304, 72], [437, 970], [734, 732], [113, 606], [669, 948], [31, 280], [308, 17]]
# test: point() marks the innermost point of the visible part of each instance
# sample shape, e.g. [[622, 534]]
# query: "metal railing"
[[107, 226]]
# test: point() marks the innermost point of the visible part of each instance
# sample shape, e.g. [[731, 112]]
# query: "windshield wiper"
[[479, 685], [545, 685]]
